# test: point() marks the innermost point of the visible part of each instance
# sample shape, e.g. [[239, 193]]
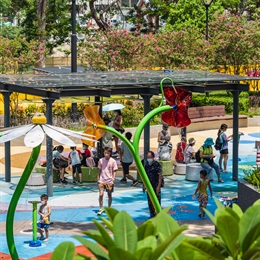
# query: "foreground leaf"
[[145, 230], [111, 213], [249, 220], [147, 242], [202, 249], [93, 247], [125, 232], [166, 225], [252, 254], [116, 253], [144, 253], [95, 235], [64, 251], [237, 209], [251, 237], [228, 230], [107, 223], [168, 245]]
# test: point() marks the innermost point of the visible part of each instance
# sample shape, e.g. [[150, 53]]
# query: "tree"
[[234, 42], [190, 14], [5, 8], [41, 6], [100, 12]]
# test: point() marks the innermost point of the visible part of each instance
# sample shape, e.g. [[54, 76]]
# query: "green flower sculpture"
[[93, 119], [34, 136]]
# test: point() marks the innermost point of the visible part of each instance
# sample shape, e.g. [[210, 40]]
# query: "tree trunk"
[[41, 6], [101, 24]]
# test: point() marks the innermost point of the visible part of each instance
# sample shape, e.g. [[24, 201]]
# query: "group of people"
[[186, 153], [107, 167], [75, 159], [106, 178], [207, 162]]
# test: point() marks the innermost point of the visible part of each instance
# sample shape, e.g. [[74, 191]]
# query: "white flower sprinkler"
[[34, 136]]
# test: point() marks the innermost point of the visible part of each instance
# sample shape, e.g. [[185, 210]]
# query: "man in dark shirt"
[[154, 172]]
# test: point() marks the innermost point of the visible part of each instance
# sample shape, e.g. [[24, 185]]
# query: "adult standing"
[[60, 162], [117, 123], [107, 167], [224, 139], [126, 158], [164, 143], [107, 138], [153, 170], [189, 152], [207, 158]]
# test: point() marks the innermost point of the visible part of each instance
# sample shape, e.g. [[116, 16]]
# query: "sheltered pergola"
[[53, 86]]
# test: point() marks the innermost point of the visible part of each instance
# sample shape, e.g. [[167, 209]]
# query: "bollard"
[[258, 158]]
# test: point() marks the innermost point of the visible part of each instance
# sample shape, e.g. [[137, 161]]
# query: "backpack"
[[197, 156], [218, 144]]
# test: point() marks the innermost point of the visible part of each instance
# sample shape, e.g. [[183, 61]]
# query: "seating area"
[[191, 171], [213, 116], [167, 167], [89, 174]]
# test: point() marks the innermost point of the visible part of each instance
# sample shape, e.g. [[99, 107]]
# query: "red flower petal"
[[178, 116]]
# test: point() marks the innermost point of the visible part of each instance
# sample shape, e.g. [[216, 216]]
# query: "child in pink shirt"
[[107, 167]]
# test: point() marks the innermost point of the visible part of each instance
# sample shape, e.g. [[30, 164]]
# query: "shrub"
[[237, 237], [253, 177], [220, 98]]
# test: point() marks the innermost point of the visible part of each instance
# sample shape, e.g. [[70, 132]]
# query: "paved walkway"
[[75, 207]]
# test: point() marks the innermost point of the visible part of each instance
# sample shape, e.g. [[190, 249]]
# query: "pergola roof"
[[108, 83]]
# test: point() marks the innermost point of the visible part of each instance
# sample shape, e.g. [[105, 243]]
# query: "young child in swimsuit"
[[203, 183]]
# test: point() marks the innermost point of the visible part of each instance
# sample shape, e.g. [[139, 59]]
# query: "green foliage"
[[10, 32], [58, 23], [190, 14], [253, 176], [154, 239], [120, 50], [237, 237], [234, 44], [221, 98], [18, 55], [65, 251]]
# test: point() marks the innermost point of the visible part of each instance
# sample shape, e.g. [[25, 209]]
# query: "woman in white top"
[[189, 152]]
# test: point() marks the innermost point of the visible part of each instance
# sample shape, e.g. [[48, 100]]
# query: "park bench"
[[211, 117], [209, 113]]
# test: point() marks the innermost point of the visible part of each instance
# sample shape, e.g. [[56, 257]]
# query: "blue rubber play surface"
[[177, 194]]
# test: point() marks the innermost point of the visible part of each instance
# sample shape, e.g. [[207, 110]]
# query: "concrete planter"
[[247, 194]]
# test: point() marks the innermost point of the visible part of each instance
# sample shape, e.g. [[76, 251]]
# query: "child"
[[107, 167], [202, 190], [44, 212], [75, 158]]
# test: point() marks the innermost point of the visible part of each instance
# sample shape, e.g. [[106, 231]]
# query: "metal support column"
[[146, 99], [73, 38], [235, 134], [7, 144], [99, 144], [49, 172], [184, 132]]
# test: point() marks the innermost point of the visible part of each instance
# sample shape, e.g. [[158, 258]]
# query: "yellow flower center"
[[39, 119]]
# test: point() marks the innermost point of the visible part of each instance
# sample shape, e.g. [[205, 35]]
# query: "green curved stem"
[[134, 149], [138, 162], [161, 88], [15, 198]]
